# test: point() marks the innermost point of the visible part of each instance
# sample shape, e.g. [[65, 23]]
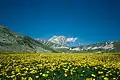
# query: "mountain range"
[[12, 41]]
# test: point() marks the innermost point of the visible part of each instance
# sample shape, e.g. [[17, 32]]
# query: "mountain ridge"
[[12, 41]]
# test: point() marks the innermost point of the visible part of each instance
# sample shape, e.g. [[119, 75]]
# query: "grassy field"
[[59, 66]]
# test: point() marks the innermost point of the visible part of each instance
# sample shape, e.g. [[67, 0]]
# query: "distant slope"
[[11, 41], [113, 46], [58, 43], [55, 47]]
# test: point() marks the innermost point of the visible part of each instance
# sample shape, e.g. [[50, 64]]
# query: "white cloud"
[[37, 39], [71, 39]]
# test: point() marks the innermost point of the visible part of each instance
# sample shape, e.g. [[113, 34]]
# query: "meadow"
[[59, 66]]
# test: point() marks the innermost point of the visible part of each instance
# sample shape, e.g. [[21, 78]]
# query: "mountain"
[[61, 44], [62, 40], [54, 46], [58, 43], [113, 46], [49, 43], [59, 40], [11, 41]]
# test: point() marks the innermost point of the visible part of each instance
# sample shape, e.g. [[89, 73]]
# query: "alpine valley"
[[12, 41]]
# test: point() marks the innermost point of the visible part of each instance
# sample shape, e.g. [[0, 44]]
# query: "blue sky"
[[89, 20]]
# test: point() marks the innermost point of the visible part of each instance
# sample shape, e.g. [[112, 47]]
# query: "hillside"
[[11, 41]]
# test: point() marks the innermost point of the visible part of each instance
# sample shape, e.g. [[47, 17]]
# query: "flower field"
[[59, 66]]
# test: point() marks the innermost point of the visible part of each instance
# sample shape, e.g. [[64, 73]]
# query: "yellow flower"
[[88, 78], [81, 74], [13, 72], [47, 71], [29, 78], [93, 75], [17, 69], [114, 78], [27, 69], [36, 76], [105, 78], [100, 72], [45, 75], [65, 75]]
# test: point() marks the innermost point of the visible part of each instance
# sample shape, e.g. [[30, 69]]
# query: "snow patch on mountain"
[[62, 40], [99, 46]]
